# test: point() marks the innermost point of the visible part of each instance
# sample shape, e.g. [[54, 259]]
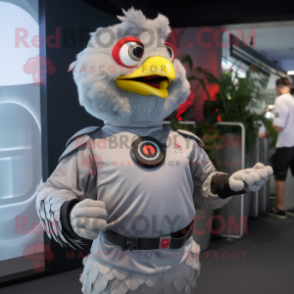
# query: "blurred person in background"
[[283, 158]]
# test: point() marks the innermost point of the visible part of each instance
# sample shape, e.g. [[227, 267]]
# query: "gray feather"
[[147, 290], [168, 277], [104, 268], [100, 283], [151, 281], [120, 274], [159, 286], [179, 283], [110, 275], [131, 282]]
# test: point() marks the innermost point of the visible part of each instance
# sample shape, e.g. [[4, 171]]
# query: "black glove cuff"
[[66, 208], [220, 186]]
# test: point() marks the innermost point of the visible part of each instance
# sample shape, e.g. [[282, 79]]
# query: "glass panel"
[[21, 238]]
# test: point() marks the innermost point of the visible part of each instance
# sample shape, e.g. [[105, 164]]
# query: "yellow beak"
[[152, 78]]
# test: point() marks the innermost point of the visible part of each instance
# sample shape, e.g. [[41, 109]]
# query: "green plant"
[[235, 101]]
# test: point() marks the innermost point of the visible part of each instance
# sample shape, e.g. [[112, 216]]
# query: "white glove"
[[250, 179], [88, 217]]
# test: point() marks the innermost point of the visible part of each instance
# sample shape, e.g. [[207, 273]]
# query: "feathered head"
[[129, 73]]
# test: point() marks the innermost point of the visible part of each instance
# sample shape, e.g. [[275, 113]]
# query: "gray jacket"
[[140, 202]]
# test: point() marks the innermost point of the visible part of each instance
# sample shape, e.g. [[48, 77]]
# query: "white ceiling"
[[274, 40]]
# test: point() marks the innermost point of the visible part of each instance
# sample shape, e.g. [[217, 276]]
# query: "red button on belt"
[[164, 243]]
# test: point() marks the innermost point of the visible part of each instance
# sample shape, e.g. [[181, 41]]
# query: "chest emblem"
[[147, 152]]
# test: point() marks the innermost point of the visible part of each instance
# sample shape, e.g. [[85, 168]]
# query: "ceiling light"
[[290, 72]]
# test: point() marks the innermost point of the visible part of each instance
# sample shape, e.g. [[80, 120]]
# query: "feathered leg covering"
[[102, 278]]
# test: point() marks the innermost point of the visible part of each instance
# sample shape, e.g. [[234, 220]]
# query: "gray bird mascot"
[[132, 186]]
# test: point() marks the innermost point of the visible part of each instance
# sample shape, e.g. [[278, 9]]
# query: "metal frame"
[[243, 134], [264, 192], [255, 195], [167, 122]]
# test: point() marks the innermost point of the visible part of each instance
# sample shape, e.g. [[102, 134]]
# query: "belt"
[[175, 240]]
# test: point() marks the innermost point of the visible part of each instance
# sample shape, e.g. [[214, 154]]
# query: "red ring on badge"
[[147, 152]]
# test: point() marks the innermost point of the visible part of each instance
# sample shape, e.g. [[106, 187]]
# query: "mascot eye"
[[131, 53], [128, 52], [171, 51]]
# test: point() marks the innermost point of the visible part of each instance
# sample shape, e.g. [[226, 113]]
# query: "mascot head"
[[129, 73]]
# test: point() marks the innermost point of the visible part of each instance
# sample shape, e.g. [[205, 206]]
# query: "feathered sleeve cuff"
[[219, 185], [208, 198], [216, 191], [48, 205], [65, 218]]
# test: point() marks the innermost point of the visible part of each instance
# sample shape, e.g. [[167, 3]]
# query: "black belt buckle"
[[130, 243]]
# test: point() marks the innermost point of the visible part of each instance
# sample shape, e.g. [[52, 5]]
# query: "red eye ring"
[[118, 45], [173, 48]]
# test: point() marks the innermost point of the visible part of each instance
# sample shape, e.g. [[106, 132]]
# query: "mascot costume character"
[[132, 186]]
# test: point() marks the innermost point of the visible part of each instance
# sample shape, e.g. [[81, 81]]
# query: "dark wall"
[[62, 116]]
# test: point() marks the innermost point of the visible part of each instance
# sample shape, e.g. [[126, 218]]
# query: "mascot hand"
[[250, 179], [88, 217]]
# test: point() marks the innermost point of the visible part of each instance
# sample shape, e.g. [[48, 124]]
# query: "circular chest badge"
[[147, 152]]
